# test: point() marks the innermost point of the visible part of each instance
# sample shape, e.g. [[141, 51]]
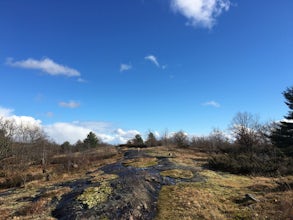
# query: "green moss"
[[141, 162], [93, 196], [178, 173]]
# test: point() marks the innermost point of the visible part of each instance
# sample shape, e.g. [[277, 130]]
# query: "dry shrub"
[[34, 208], [260, 160]]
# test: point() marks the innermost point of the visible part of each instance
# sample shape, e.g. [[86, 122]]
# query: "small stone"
[[251, 197], [145, 206]]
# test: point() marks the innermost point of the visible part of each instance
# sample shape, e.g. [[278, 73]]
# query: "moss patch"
[[141, 162], [93, 196], [178, 173], [100, 176]]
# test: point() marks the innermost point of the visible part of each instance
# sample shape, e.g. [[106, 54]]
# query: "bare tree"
[[246, 129], [7, 129], [5, 144], [180, 139]]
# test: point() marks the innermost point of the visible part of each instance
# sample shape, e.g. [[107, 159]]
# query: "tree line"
[[253, 147]]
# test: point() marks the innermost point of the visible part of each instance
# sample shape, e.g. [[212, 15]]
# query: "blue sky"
[[123, 67]]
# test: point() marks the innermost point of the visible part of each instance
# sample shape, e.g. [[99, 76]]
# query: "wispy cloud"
[[49, 114], [153, 59], [125, 67], [212, 104], [81, 80], [70, 104], [46, 65], [201, 13]]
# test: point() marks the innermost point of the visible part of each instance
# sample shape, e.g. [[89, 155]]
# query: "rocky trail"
[[127, 189]]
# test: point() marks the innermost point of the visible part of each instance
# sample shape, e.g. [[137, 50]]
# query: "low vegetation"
[[178, 173], [224, 196], [246, 176], [141, 162]]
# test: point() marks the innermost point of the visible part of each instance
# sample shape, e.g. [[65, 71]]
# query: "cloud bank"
[[201, 13], [24, 121], [46, 65], [72, 131]]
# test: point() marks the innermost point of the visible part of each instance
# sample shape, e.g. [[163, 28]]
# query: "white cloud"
[[5, 112], [212, 103], [153, 59], [61, 132], [70, 104], [123, 136], [26, 121], [201, 13], [125, 67], [46, 65], [29, 121], [72, 131]]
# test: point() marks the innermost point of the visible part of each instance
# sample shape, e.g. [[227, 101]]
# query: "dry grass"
[[178, 173], [29, 203], [22, 203], [141, 162], [221, 196], [100, 176]]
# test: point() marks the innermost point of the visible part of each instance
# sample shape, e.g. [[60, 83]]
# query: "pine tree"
[[151, 140], [138, 141], [282, 135], [91, 140]]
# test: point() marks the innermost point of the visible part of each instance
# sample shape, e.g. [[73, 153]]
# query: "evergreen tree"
[[91, 140], [282, 135], [151, 140], [65, 147], [138, 140]]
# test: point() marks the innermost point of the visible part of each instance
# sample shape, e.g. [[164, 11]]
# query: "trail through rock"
[[131, 194]]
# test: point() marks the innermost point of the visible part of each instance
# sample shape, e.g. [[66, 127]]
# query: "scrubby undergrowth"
[[150, 183]]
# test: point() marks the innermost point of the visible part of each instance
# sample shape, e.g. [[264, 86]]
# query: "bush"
[[259, 160]]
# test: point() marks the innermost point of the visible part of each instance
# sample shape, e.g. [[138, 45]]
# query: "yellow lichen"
[[93, 196], [178, 173]]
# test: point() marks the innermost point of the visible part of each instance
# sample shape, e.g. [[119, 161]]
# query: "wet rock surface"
[[132, 195]]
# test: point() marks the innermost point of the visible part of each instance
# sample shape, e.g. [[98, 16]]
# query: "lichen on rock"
[[93, 196]]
